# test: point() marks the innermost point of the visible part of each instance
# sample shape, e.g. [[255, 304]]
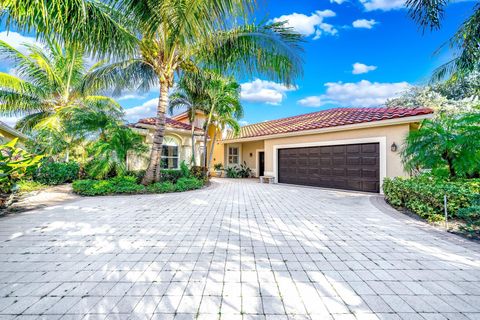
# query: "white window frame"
[[170, 141]]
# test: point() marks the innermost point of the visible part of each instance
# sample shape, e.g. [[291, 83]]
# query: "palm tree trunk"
[[153, 172], [207, 126], [210, 156]]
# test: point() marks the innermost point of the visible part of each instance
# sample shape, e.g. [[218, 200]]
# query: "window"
[[233, 155], [169, 153]]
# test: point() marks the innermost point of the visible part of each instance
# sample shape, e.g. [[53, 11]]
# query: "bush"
[[199, 172], [171, 176], [185, 184], [423, 195], [161, 187], [129, 185], [471, 216], [29, 186], [138, 174], [116, 185], [54, 173], [242, 171]]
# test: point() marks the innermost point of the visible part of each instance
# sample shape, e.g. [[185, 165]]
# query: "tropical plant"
[[109, 155], [179, 35], [429, 14], [51, 93], [54, 173], [92, 23], [218, 166], [14, 163], [449, 141]]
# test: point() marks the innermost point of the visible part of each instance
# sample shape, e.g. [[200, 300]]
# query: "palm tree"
[[192, 98], [109, 155], [179, 35], [89, 22], [50, 92], [429, 14], [223, 107], [449, 140]]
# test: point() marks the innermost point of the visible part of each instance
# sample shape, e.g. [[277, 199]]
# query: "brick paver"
[[236, 250]]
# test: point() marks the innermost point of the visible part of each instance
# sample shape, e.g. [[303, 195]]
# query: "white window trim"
[[178, 144], [382, 141]]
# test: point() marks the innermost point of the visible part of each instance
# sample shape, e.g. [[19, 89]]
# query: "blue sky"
[[357, 53]]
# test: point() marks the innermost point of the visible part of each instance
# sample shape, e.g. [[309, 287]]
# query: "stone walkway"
[[236, 250]]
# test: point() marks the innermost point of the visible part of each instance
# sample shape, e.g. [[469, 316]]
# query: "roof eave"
[[370, 124]]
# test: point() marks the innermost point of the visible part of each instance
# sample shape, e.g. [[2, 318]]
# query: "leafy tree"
[[429, 14], [51, 93], [447, 141], [109, 155], [182, 35]]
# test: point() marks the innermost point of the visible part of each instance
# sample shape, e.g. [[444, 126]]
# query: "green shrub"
[[29, 186], [232, 172], [115, 185], [54, 173], [138, 174], [185, 184], [242, 171], [185, 170], [423, 195], [161, 187], [199, 172], [471, 216]]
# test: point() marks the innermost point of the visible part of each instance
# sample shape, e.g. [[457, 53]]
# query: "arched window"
[[170, 153]]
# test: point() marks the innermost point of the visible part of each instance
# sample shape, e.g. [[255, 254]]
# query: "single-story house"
[[343, 148], [177, 143], [8, 133]]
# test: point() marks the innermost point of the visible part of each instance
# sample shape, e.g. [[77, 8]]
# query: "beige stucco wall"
[[394, 133]]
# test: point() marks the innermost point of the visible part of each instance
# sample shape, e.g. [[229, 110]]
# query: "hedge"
[[129, 185], [423, 195], [54, 173]]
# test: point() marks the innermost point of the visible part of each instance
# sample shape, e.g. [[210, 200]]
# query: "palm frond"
[[427, 13]]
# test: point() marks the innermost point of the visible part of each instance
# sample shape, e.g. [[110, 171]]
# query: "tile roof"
[[325, 119], [169, 122]]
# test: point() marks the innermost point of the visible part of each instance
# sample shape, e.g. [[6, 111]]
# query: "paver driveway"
[[236, 250]]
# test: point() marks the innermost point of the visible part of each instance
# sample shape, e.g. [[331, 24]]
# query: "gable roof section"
[[325, 119], [174, 124]]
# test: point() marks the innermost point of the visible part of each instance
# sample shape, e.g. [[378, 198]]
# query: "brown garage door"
[[351, 167]]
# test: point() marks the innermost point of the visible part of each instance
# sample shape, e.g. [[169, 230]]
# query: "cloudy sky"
[[357, 53]]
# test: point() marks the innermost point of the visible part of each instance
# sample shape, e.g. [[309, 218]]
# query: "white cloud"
[[11, 121], [312, 25], [312, 101], [338, 1], [145, 110], [364, 23], [243, 123], [363, 93], [264, 91], [384, 5], [360, 68], [16, 39], [130, 96]]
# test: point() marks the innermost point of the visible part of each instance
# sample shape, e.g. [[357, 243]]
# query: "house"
[[7, 133], [178, 144], [343, 148]]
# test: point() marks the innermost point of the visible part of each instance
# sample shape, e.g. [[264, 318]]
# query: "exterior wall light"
[[393, 147]]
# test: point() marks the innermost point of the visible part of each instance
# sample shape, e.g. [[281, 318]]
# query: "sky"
[[357, 53]]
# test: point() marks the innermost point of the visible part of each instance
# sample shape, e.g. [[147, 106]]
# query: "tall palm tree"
[[49, 86], [429, 14], [179, 35]]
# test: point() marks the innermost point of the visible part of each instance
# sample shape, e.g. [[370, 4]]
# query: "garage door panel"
[[351, 167]]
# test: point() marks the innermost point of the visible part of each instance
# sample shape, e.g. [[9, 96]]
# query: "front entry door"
[[261, 163]]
